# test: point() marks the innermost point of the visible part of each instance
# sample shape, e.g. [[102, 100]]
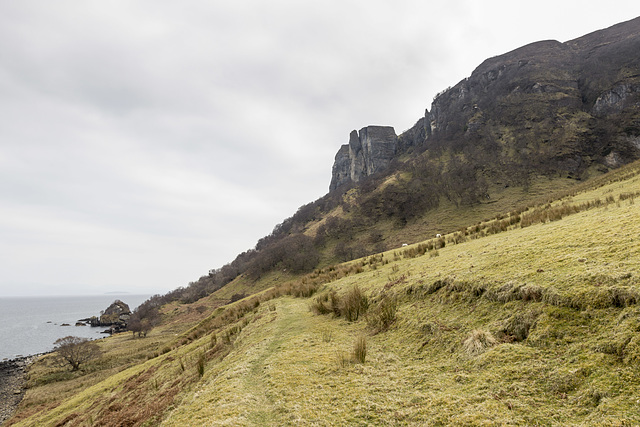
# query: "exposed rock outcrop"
[[341, 171], [368, 151], [116, 316], [613, 101], [547, 107], [118, 311], [417, 134]]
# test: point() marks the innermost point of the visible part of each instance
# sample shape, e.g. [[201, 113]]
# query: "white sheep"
[[438, 236]]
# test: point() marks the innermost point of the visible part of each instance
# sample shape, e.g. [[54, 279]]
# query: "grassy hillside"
[[528, 122], [531, 319]]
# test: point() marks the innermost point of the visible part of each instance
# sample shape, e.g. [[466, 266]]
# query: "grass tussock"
[[360, 349], [478, 342], [327, 335], [358, 354], [351, 305], [354, 304], [321, 304], [383, 313], [201, 363], [343, 359]]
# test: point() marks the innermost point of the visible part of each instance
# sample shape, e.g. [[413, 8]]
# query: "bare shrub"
[[143, 319], [478, 342], [75, 351]]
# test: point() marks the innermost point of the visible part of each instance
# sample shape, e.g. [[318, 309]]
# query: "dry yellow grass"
[[532, 326]]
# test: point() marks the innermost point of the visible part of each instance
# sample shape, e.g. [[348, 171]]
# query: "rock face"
[[118, 311], [613, 101], [116, 315], [547, 107], [368, 151]]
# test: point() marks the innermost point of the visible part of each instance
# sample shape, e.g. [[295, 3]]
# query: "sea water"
[[31, 325]]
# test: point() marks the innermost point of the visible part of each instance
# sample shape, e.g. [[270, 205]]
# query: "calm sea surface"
[[31, 325]]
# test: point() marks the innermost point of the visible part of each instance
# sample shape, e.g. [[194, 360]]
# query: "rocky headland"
[[13, 372], [116, 316]]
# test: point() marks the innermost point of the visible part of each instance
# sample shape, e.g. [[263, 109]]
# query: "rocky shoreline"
[[12, 384]]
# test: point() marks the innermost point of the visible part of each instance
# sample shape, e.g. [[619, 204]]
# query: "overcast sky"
[[143, 143]]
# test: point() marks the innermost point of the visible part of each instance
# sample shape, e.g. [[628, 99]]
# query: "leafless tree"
[[76, 351]]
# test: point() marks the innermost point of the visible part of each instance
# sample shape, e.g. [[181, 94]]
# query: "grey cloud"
[[145, 142]]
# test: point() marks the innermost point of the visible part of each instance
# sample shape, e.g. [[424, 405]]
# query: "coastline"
[[31, 325], [13, 384]]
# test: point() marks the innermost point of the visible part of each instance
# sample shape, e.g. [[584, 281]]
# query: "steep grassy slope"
[[559, 299], [537, 325]]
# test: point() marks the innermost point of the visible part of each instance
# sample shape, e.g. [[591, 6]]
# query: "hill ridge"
[[558, 80]]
